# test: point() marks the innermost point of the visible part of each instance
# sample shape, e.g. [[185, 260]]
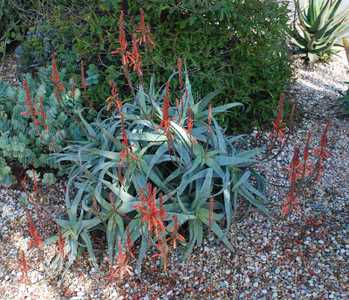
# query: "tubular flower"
[[144, 30], [121, 269], [174, 235], [36, 239], [278, 124], [150, 213], [55, 78]]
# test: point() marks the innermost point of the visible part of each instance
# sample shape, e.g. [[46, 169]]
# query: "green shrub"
[[152, 171], [320, 25], [35, 122], [236, 46]]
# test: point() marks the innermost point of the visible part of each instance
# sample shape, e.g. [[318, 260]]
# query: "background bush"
[[235, 46]]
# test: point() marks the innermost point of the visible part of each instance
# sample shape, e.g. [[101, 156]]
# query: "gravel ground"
[[303, 256]]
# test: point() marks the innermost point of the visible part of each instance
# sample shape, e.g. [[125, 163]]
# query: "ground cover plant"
[[319, 26], [37, 118], [236, 46]]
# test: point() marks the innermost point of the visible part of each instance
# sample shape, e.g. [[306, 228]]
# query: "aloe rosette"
[[151, 169]]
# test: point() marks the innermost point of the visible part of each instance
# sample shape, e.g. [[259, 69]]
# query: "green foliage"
[[201, 176], [236, 46], [27, 139], [320, 25]]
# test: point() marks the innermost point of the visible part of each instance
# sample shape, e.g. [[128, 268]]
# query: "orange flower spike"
[[135, 58], [28, 101], [180, 72], [36, 239], [122, 268], [278, 124], [55, 77], [122, 40], [23, 267], [150, 214], [144, 30], [295, 166]]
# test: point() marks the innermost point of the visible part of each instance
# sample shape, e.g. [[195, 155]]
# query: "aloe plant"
[[320, 24], [152, 169]]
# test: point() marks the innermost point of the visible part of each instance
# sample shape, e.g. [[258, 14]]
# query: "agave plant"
[[319, 26], [157, 173]]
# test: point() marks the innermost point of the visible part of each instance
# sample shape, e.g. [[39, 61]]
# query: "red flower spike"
[[278, 124], [122, 50], [36, 239], [83, 83], [321, 151], [55, 78], [306, 167], [150, 213], [291, 202], [23, 267], [144, 30], [180, 72], [122, 269], [28, 101]]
